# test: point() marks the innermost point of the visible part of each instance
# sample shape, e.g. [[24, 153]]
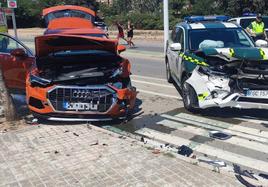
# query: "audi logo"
[[82, 94]]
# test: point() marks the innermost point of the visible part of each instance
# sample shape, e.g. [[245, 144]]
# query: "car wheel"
[[189, 97], [168, 73]]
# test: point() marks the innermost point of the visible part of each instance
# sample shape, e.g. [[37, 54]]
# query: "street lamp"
[[166, 24]]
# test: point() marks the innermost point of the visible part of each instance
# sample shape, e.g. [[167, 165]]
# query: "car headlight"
[[38, 81]]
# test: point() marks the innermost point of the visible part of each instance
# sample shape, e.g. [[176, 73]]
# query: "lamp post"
[[166, 24]]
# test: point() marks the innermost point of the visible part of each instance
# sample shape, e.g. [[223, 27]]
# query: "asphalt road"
[[159, 115]]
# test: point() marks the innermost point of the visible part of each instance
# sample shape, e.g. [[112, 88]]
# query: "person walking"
[[120, 32], [130, 34], [257, 29]]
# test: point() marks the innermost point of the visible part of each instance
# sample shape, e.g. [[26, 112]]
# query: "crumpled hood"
[[47, 44], [230, 54]]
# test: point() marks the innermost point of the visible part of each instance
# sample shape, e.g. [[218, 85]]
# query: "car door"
[[173, 55], [14, 67], [181, 40]]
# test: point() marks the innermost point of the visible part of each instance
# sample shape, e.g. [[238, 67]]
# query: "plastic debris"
[[156, 151], [75, 134], [185, 151], [219, 135], [263, 175], [216, 163]]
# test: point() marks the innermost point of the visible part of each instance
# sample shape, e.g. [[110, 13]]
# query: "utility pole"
[[166, 24]]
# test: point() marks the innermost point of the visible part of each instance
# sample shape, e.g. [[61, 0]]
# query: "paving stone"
[[51, 156]]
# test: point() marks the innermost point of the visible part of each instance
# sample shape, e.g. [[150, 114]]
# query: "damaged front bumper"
[[73, 103], [215, 91]]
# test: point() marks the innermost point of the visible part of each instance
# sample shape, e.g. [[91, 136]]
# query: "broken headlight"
[[212, 71], [38, 81]]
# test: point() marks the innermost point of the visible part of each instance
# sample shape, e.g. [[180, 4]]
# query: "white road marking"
[[145, 77], [245, 118], [239, 128], [158, 94], [202, 132], [216, 127], [150, 83], [206, 149]]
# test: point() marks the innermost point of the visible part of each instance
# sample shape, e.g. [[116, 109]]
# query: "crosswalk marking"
[[247, 130], [154, 84], [207, 126], [202, 132], [206, 149], [159, 94], [150, 78]]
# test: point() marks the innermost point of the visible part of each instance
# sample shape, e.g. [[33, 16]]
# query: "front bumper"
[[217, 93], [40, 104]]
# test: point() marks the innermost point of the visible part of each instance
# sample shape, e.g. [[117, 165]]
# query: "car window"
[[180, 36], [246, 22], [218, 38], [7, 44]]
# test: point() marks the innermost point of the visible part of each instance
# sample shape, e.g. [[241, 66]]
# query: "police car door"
[[180, 36], [173, 54]]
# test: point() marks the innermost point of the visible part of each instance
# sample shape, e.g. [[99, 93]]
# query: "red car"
[[71, 78]]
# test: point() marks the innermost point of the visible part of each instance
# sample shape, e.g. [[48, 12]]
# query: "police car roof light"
[[192, 19], [249, 14]]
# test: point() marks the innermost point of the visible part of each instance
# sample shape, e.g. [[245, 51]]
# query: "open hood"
[[45, 45]]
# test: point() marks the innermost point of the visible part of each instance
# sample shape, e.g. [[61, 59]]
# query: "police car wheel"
[[168, 74], [189, 97]]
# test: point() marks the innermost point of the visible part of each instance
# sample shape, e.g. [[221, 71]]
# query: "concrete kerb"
[[151, 144]]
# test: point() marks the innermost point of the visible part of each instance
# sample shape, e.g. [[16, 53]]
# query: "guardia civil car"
[[216, 64]]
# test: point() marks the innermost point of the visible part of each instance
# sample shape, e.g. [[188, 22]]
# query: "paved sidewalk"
[[79, 155]]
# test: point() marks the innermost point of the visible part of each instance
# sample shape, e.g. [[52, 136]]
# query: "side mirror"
[[261, 43], [175, 47], [19, 52], [121, 48]]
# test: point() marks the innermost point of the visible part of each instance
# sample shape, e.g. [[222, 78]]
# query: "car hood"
[[248, 53], [47, 44], [70, 23]]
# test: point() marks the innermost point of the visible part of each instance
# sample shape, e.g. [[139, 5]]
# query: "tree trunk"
[[6, 102]]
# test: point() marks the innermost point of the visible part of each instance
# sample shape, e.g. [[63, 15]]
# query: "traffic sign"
[[12, 3]]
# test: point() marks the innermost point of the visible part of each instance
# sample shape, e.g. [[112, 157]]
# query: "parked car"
[[247, 19], [71, 78], [215, 63], [74, 26], [71, 11]]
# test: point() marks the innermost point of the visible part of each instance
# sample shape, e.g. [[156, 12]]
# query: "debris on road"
[[156, 151], [219, 135], [185, 151], [93, 144], [104, 144], [216, 163], [265, 176], [56, 152], [75, 134], [66, 131]]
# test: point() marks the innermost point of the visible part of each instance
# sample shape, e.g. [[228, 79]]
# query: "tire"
[[168, 73], [189, 97]]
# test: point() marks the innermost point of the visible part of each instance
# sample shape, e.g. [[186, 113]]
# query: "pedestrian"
[[130, 34], [120, 32], [257, 29]]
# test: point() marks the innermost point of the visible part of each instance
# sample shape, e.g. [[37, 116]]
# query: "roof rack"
[[193, 19]]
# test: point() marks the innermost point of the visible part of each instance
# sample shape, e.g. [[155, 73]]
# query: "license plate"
[[257, 93], [80, 106]]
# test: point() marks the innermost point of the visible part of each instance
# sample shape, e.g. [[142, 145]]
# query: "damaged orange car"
[[72, 78]]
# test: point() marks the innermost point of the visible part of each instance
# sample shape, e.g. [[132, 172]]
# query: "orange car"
[[71, 78], [79, 78]]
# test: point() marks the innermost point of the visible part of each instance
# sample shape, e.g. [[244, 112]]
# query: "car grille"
[[81, 99]]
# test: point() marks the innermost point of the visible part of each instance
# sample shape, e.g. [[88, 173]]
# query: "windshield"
[[218, 38], [68, 13], [246, 22]]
